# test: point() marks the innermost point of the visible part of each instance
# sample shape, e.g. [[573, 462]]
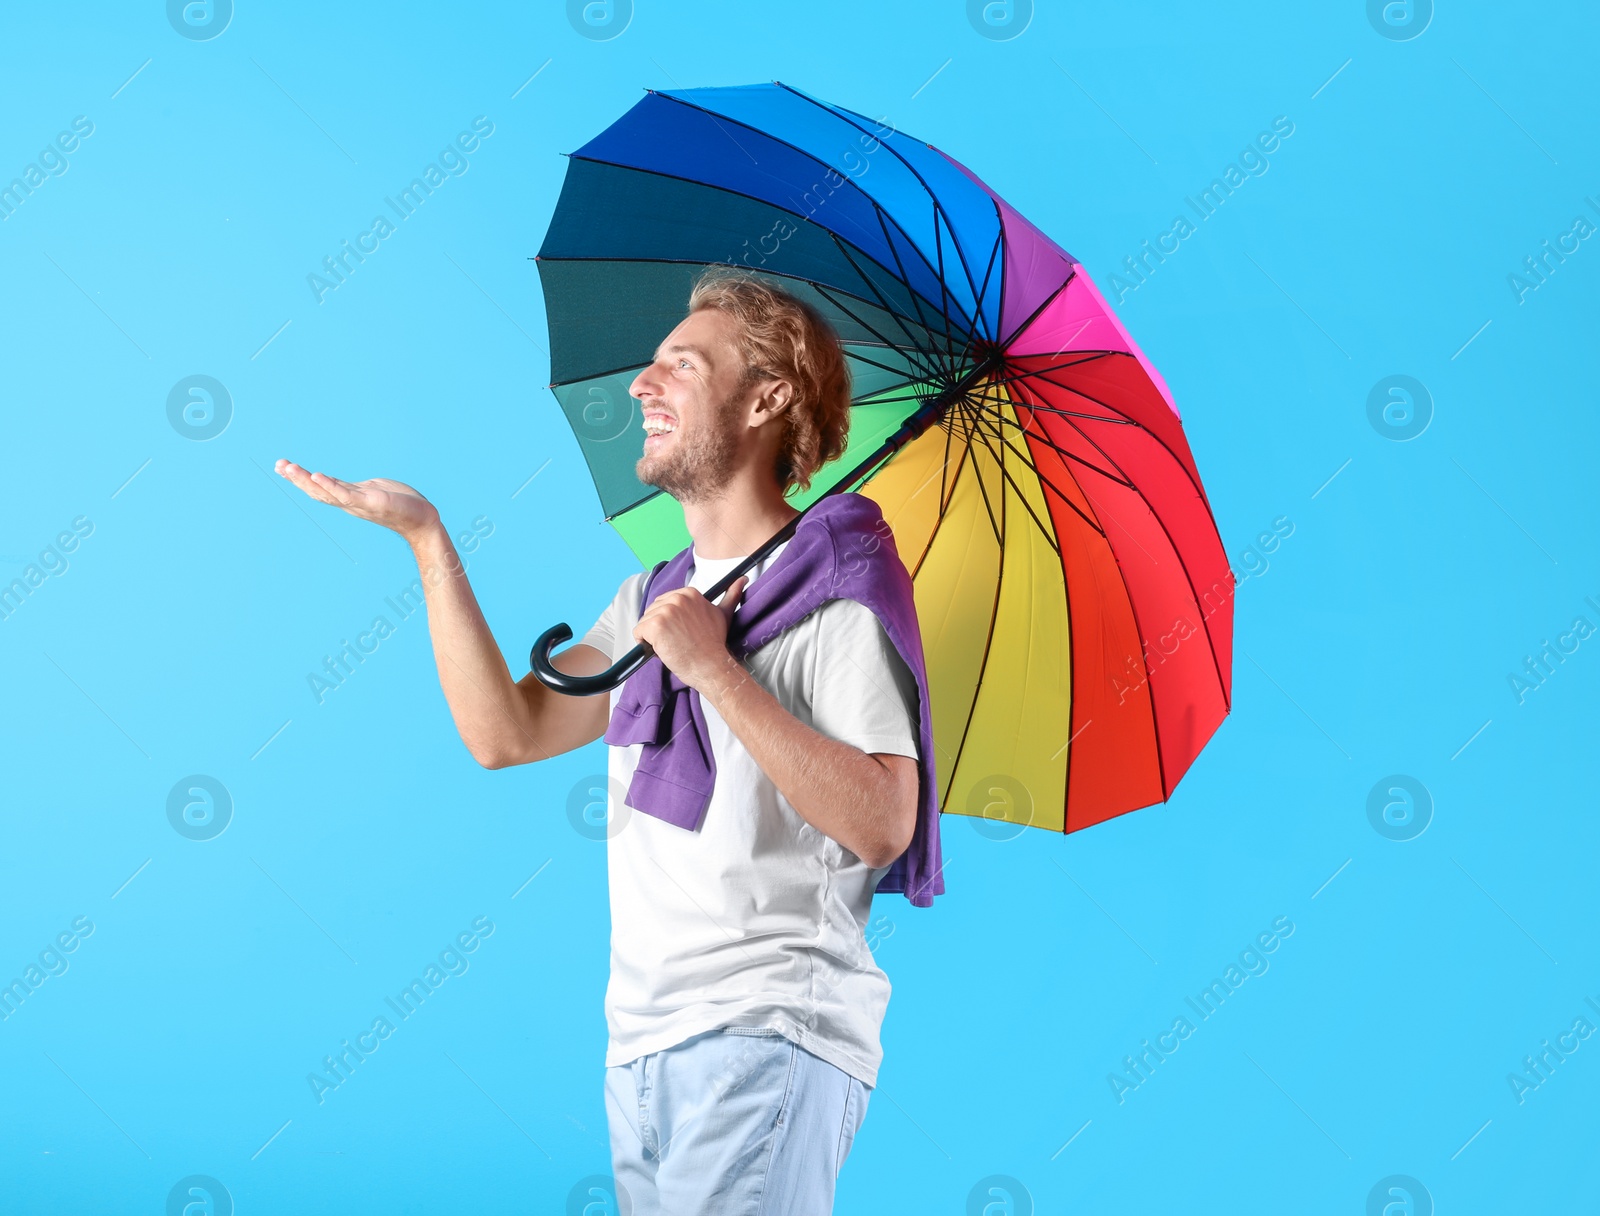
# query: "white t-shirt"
[[756, 918]]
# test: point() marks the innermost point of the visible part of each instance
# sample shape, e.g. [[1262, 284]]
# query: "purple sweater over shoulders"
[[842, 548]]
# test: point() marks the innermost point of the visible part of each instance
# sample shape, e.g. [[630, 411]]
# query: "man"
[[744, 1005]]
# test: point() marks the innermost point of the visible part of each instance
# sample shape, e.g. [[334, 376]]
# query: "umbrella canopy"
[[1076, 605]]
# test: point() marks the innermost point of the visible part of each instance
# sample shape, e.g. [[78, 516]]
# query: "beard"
[[696, 465]]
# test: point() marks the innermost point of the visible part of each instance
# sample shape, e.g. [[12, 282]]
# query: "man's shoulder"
[[850, 624], [631, 591], [623, 610], [845, 610]]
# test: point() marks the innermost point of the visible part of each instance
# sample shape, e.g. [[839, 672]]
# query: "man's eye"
[[683, 363]]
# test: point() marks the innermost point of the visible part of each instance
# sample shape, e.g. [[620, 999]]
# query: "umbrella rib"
[[938, 248], [1005, 248], [716, 120], [615, 371], [1155, 730], [848, 117], [1044, 480], [775, 273], [1075, 356], [947, 488], [939, 229], [926, 355], [923, 366], [1053, 409], [908, 378], [952, 321], [779, 207], [794, 212], [1188, 578], [1133, 608], [1042, 305], [1205, 621], [1068, 454], [987, 274], [944, 469], [853, 350], [977, 318], [986, 429], [637, 503], [889, 394], [1078, 392], [941, 225], [892, 311], [1088, 356], [1144, 666], [1210, 516], [1011, 480], [1166, 447], [999, 532], [997, 415], [988, 641], [1122, 418], [916, 296], [1055, 545], [811, 156]]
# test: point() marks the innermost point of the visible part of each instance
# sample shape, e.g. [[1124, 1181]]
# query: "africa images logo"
[[1399, 20], [1399, 1195], [199, 807], [199, 1193], [1399, 407], [1399, 807], [999, 1195], [600, 20], [1000, 20], [199, 20], [199, 407]]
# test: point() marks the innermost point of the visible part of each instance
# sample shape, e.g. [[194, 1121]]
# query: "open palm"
[[393, 504]]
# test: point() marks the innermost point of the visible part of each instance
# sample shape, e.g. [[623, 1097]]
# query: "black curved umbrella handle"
[[588, 686], [582, 686]]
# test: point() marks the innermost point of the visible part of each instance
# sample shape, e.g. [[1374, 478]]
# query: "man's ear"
[[776, 399]]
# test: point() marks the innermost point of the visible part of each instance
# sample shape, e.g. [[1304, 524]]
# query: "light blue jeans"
[[737, 1121]]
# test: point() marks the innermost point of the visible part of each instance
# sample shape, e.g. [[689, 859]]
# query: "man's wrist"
[[430, 540], [436, 554], [728, 675]]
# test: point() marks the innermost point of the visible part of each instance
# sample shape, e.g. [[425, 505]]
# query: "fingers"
[[343, 492], [319, 485], [729, 603], [668, 604], [301, 478]]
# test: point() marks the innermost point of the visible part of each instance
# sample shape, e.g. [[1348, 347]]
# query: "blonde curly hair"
[[787, 338]]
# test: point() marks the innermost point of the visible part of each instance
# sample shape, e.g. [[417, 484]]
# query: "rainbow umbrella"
[[1076, 606]]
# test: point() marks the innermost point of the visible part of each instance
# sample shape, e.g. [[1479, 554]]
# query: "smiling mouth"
[[659, 426]]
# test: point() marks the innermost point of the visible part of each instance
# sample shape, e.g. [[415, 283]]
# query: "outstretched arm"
[[501, 721]]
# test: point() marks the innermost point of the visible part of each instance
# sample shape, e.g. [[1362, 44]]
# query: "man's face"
[[691, 399]]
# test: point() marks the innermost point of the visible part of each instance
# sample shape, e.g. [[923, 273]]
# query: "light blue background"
[[1378, 641]]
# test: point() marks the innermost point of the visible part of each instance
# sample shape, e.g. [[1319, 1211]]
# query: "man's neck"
[[736, 524]]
